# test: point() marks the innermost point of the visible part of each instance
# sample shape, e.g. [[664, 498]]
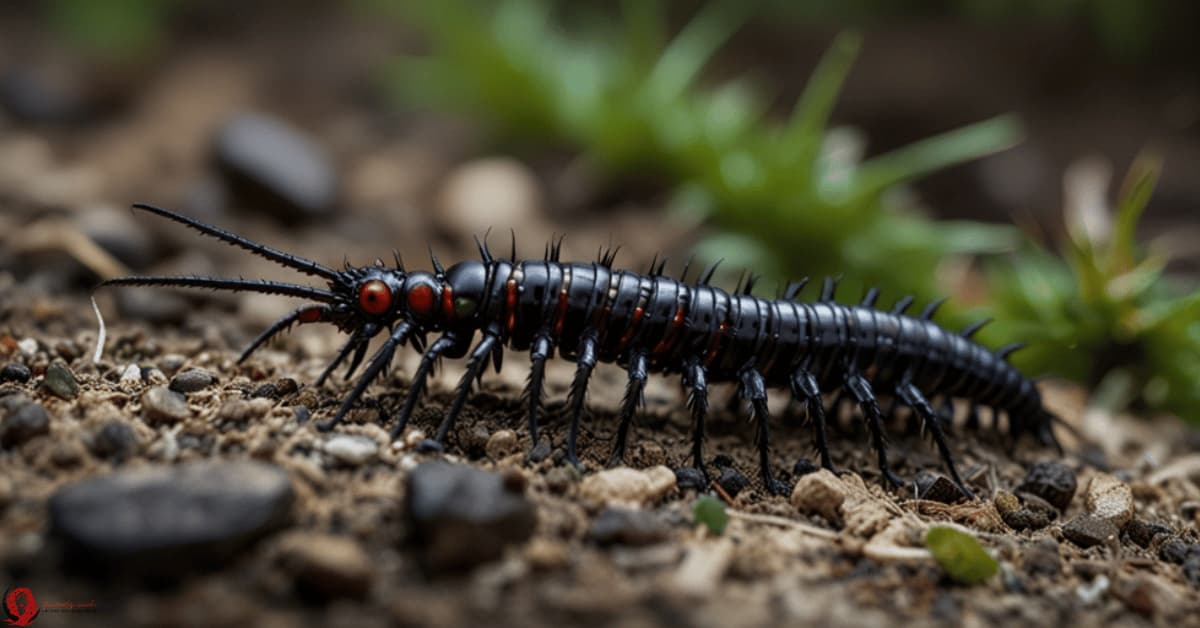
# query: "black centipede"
[[647, 323]]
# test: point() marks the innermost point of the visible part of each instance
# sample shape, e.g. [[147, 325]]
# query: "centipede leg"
[[578, 394], [633, 400], [378, 362], [475, 367], [752, 387], [860, 388], [915, 400], [972, 417], [804, 388], [435, 351], [696, 383], [538, 354]]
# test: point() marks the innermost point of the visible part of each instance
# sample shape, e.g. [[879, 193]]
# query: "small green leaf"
[[710, 511], [960, 555]]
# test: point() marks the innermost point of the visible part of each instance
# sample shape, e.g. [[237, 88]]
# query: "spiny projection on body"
[[589, 313]]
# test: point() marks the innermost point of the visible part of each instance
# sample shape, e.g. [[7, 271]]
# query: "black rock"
[[115, 440], [540, 452], [1086, 531], [166, 521], [25, 422], [192, 380], [460, 516], [161, 405], [49, 94], [60, 381], [1052, 481], [273, 166], [627, 527], [690, 478], [1144, 532], [937, 487], [1177, 551], [733, 481], [803, 467], [15, 373]]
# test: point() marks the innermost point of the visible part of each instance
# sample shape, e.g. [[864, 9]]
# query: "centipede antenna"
[[903, 304], [399, 261], [294, 262], [1009, 349], [708, 273], [437, 266], [931, 309], [870, 297], [970, 330], [794, 288], [261, 286]]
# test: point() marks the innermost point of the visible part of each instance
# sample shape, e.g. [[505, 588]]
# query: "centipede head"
[[358, 300]]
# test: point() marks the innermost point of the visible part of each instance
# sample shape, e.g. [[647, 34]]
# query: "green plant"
[[789, 198], [960, 555], [1105, 314], [710, 512], [117, 30]]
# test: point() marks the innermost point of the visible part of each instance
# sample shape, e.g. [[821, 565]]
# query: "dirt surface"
[[840, 552]]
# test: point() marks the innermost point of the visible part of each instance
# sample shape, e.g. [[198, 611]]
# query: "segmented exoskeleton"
[[589, 313]]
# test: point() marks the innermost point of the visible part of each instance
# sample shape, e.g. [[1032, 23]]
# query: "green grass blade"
[[801, 138]]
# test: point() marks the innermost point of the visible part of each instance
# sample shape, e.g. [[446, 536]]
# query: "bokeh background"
[[1034, 161]]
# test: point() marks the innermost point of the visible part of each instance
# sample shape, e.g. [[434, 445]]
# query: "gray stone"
[[1087, 531], [733, 481], [192, 380], [60, 381], [1144, 532], [15, 372], [352, 450], [166, 521], [275, 167], [625, 526], [161, 405], [461, 517], [27, 421], [116, 440], [937, 487]]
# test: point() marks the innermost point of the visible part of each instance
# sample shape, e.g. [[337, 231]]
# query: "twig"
[[806, 528]]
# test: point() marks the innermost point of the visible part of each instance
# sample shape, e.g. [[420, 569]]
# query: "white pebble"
[[28, 346], [352, 450], [1090, 592]]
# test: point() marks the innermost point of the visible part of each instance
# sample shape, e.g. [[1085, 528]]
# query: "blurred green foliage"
[[1107, 316], [786, 197], [116, 30], [960, 555]]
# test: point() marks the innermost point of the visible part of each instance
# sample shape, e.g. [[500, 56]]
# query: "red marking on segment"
[[510, 304], [561, 314], [448, 302], [669, 336], [625, 339], [716, 344], [420, 299], [374, 297], [311, 314]]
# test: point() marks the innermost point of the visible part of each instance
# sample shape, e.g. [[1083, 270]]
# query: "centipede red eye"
[[374, 297]]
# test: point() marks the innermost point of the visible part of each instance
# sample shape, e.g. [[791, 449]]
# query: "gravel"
[[26, 422]]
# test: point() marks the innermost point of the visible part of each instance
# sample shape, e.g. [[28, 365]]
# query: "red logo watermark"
[[20, 607]]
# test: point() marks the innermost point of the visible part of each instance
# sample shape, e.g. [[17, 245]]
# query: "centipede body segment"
[[647, 323]]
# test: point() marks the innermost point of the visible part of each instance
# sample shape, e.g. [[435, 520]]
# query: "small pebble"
[[733, 481], [937, 487], [487, 192], [1042, 558], [1033, 514], [166, 521], [690, 478], [1037, 505], [821, 493], [460, 516], [192, 380], [627, 486], [161, 405], [28, 347], [1144, 532], [1087, 531], [275, 165], [171, 362], [623, 526], [115, 440], [27, 421], [1109, 499], [1189, 509], [1090, 593], [1177, 551], [1191, 569], [501, 444], [352, 450], [131, 377], [560, 478], [540, 452], [803, 467], [326, 566], [1052, 481], [60, 381], [15, 372]]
